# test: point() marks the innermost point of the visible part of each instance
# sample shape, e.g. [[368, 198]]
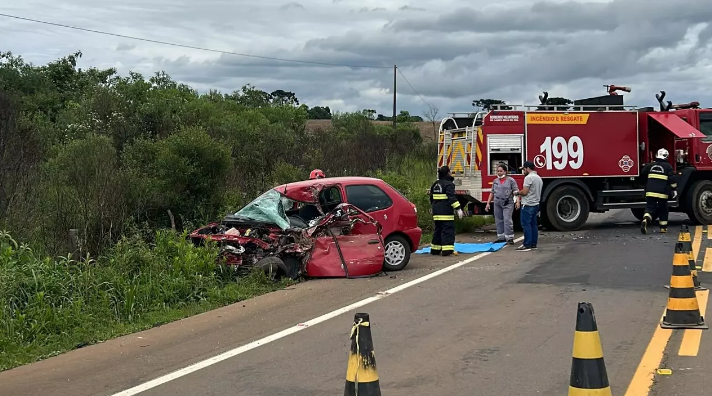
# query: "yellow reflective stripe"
[[587, 344], [444, 217], [656, 195], [455, 204], [657, 176], [663, 222], [682, 304], [438, 247], [439, 196], [589, 392], [449, 247], [681, 282]]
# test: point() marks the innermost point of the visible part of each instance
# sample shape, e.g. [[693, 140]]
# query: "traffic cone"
[[686, 239], [683, 310], [693, 271], [588, 370], [361, 373]]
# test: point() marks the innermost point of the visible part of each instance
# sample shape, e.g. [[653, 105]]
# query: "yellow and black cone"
[[685, 238], [588, 370], [693, 271], [361, 373], [683, 310]]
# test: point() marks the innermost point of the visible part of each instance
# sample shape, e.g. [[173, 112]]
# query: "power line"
[[193, 47], [217, 51], [411, 87]]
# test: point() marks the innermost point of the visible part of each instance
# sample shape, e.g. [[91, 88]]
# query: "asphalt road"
[[500, 325]]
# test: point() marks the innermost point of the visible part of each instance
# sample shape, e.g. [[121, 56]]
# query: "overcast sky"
[[451, 51]]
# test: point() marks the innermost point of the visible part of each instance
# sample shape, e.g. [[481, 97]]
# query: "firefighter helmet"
[[662, 154], [316, 174]]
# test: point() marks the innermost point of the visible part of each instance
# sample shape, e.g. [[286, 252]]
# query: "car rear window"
[[368, 197], [398, 191]]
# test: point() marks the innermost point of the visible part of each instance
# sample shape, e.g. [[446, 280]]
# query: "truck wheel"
[[699, 202], [567, 208]]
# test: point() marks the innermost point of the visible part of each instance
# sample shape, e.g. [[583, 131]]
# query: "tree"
[[369, 113], [319, 113], [280, 97], [432, 115], [404, 116], [251, 97], [482, 103]]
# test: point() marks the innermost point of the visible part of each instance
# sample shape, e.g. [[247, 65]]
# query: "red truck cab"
[[589, 154]]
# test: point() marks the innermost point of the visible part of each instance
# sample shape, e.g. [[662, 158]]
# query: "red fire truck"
[[589, 154]]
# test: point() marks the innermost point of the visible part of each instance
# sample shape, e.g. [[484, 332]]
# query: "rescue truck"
[[589, 154]]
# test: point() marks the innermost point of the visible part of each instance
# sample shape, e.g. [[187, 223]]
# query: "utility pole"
[[395, 71]]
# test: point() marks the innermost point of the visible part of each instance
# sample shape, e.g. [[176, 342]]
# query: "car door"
[[376, 202], [339, 252]]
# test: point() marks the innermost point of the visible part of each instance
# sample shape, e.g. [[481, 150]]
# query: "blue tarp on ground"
[[469, 248]]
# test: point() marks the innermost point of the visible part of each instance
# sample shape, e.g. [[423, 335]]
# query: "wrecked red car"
[[307, 229]]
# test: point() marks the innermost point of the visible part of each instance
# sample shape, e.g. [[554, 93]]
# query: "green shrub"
[[51, 305]]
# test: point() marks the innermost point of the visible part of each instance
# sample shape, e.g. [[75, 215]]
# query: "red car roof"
[[305, 191]]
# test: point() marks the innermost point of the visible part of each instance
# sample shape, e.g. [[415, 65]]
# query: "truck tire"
[[699, 202], [567, 208]]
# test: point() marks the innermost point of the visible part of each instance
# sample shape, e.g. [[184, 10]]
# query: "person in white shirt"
[[530, 197]]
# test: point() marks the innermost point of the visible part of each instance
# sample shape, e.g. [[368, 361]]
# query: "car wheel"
[[397, 253], [273, 267]]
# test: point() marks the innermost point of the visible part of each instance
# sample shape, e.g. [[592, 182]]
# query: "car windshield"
[[268, 208]]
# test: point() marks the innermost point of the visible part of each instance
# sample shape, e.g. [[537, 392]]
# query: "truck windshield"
[[706, 123]]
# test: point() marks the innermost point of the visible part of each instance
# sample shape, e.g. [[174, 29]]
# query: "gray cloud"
[[291, 6], [569, 16], [451, 55], [125, 47], [411, 8]]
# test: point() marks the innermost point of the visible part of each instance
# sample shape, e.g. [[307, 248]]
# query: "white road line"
[[274, 337]]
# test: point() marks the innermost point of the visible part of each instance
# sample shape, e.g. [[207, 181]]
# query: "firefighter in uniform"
[[660, 185], [444, 203]]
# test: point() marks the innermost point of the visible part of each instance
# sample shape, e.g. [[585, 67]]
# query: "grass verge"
[[49, 306]]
